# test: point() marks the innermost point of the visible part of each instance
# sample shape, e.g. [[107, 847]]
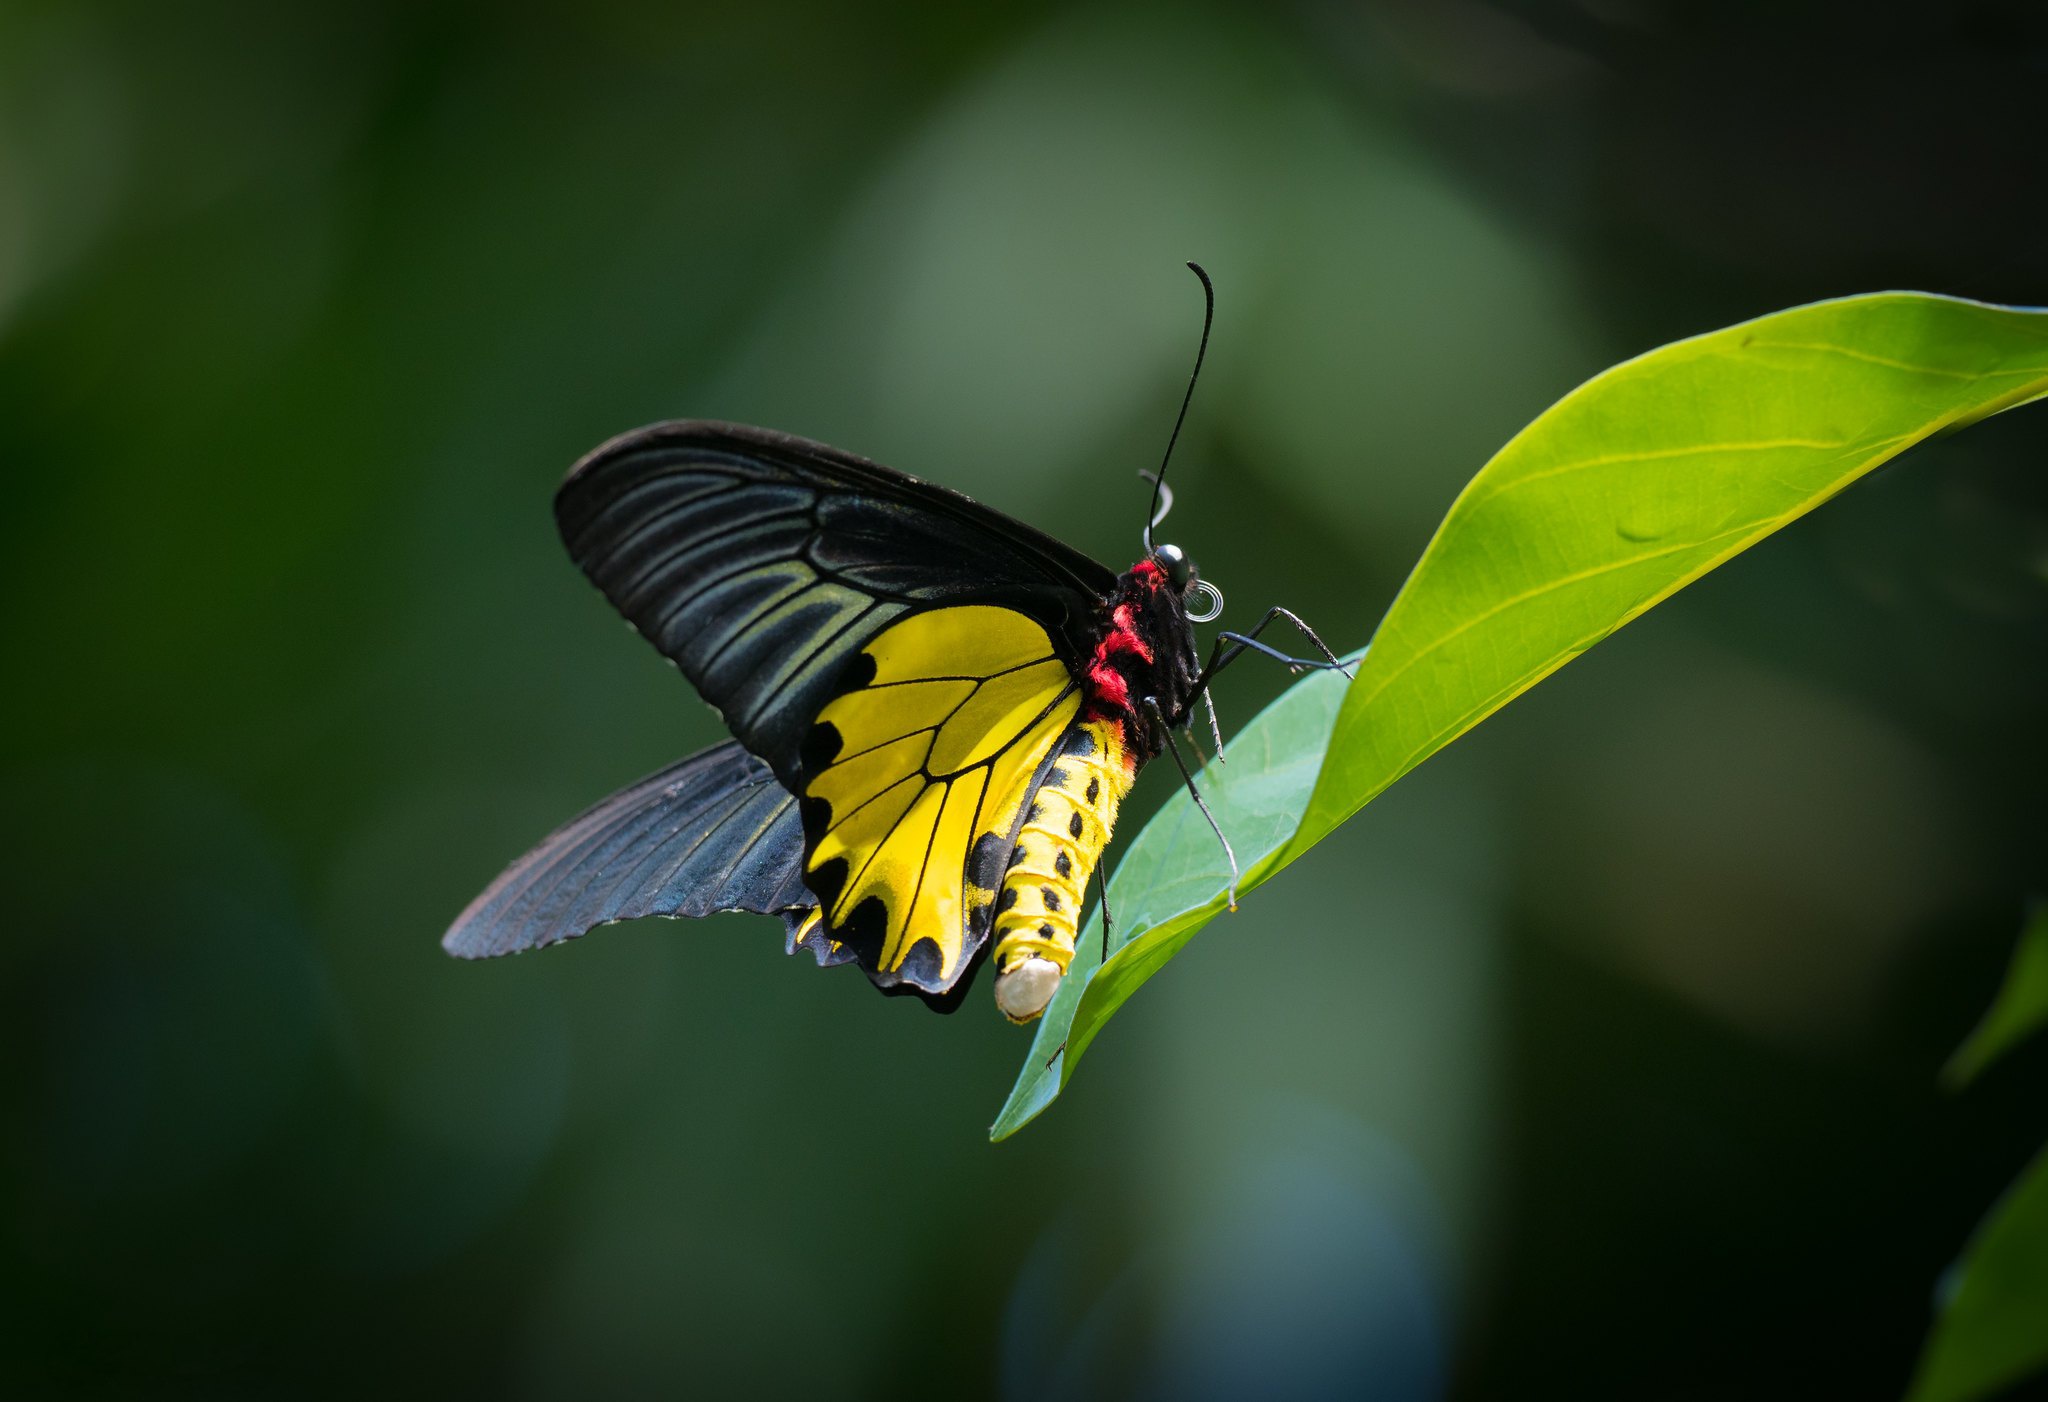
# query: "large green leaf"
[[1629, 488], [1639, 482], [1993, 1329], [2019, 1011]]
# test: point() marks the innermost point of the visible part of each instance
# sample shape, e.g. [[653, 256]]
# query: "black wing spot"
[[859, 671], [923, 965], [1074, 825], [1094, 790], [1019, 856], [1063, 864], [1052, 897], [1036, 812], [821, 747], [865, 926], [826, 883], [985, 862], [816, 812], [1007, 899], [1045, 931]]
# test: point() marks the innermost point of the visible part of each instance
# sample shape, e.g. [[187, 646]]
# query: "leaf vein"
[[1661, 454], [1890, 363]]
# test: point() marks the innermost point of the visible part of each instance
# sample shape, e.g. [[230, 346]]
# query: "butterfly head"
[[1176, 566], [1201, 600]]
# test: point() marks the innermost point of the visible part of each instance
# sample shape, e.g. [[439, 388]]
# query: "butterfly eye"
[[1180, 570]]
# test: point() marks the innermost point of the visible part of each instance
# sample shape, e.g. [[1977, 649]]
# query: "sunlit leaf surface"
[[1629, 488]]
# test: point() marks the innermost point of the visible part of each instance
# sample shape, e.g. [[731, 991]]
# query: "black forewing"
[[709, 833], [760, 563]]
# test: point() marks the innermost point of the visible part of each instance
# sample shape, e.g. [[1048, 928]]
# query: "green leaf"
[[1626, 490], [1639, 482], [1993, 1327], [2020, 1010]]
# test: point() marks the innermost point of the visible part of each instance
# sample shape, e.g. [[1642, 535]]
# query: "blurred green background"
[[1595, 1060]]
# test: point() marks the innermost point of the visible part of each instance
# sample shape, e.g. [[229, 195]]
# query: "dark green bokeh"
[[1597, 1059]]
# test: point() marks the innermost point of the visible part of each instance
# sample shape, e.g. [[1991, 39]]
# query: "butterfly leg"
[[1102, 885], [1230, 646], [1157, 715]]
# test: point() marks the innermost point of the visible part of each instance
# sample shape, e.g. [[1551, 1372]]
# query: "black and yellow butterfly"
[[935, 710]]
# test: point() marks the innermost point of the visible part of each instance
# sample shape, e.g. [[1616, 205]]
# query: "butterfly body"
[[1145, 653], [936, 712]]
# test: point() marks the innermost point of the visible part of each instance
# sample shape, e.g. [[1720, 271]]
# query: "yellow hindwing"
[[915, 778]]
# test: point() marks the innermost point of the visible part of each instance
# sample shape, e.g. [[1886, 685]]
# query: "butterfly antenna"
[[1157, 512], [1162, 497], [1157, 715]]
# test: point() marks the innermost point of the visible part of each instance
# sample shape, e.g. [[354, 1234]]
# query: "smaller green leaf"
[[1170, 882], [1993, 1327], [2020, 1010]]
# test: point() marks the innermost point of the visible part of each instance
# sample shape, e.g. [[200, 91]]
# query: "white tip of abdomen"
[[1023, 990]]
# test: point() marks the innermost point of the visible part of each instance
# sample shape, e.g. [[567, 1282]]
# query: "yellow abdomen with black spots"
[[1038, 909]]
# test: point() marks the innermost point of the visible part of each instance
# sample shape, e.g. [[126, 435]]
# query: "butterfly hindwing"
[[916, 774], [712, 832]]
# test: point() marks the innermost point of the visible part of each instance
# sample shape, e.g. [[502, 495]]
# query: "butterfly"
[[936, 710]]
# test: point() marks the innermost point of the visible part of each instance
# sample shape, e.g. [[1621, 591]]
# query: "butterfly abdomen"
[[1067, 825]]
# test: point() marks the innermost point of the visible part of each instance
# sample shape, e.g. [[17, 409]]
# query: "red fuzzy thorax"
[[1123, 655]]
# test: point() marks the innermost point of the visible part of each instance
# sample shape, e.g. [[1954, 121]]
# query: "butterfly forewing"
[[760, 563]]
